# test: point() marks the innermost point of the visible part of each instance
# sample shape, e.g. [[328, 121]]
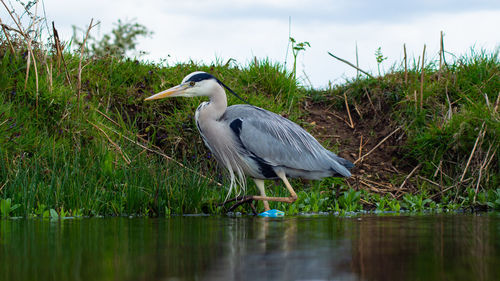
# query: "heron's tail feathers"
[[346, 163], [342, 166]]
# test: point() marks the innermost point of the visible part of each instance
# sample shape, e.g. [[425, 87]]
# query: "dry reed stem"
[[28, 45], [14, 19], [307, 78], [357, 61], [36, 72], [28, 64], [481, 168], [10, 28], [449, 114], [495, 109], [491, 158], [59, 52], [441, 46], [472, 152], [352, 65], [340, 118], [442, 192], [371, 187], [348, 184], [388, 186], [4, 184], [8, 37], [360, 146], [410, 175], [366, 202], [415, 97], [57, 45], [429, 181], [487, 100], [117, 147], [348, 112], [49, 75], [357, 110], [107, 117], [20, 31], [79, 85], [422, 80], [370, 100], [406, 64], [380, 143], [383, 190], [35, 22], [438, 168]]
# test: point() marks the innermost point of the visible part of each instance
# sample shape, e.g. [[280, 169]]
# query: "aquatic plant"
[[6, 207]]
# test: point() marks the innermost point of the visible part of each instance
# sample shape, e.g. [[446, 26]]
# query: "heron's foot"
[[240, 200]]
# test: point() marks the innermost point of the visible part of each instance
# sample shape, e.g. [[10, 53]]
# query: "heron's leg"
[[291, 199], [260, 185], [282, 176]]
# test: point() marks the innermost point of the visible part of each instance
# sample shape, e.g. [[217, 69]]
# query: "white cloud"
[[204, 30]]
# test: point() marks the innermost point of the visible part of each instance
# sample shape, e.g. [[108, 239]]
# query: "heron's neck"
[[216, 107]]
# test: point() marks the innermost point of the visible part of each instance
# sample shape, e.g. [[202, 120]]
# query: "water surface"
[[429, 247]]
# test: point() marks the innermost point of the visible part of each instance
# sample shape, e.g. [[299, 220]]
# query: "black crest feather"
[[206, 76]]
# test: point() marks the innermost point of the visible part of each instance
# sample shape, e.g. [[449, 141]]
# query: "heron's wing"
[[280, 141]]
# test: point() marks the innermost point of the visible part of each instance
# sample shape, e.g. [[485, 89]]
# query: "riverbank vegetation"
[[77, 138]]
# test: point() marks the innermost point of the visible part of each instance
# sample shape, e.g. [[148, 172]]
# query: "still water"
[[428, 247]]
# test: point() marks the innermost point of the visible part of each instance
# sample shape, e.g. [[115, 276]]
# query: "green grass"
[[60, 154], [442, 128], [63, 156]]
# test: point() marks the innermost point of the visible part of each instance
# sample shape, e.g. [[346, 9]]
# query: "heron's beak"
[[172, 92]]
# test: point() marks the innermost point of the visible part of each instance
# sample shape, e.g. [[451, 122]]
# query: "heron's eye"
[[191, 83]]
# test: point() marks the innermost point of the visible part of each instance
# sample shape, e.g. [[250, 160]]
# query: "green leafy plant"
[[381, 204], [380, 58], [349, 201], [394, 205], [297, 47], [417, 202], [6, 207], [64, 213], [494, 199], [54, 214], [41, 211]]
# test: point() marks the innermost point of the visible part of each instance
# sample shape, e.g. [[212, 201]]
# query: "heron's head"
[[196, 84]]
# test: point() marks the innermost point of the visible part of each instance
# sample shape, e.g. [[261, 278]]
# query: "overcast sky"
[[224, 29]]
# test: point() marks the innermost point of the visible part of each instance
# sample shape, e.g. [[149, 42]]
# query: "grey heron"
[[251, 141]]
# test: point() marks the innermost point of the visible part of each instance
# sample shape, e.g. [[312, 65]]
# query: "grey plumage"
[[284, 144]]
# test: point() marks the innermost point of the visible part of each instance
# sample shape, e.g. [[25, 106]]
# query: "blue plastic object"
[[272, 213]]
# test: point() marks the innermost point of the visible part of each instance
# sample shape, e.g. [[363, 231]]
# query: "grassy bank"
[[76, 137]]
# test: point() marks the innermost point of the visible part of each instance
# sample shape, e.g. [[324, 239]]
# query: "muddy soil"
[[373, 141]]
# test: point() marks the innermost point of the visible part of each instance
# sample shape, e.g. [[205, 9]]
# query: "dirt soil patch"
[[372, 141]]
